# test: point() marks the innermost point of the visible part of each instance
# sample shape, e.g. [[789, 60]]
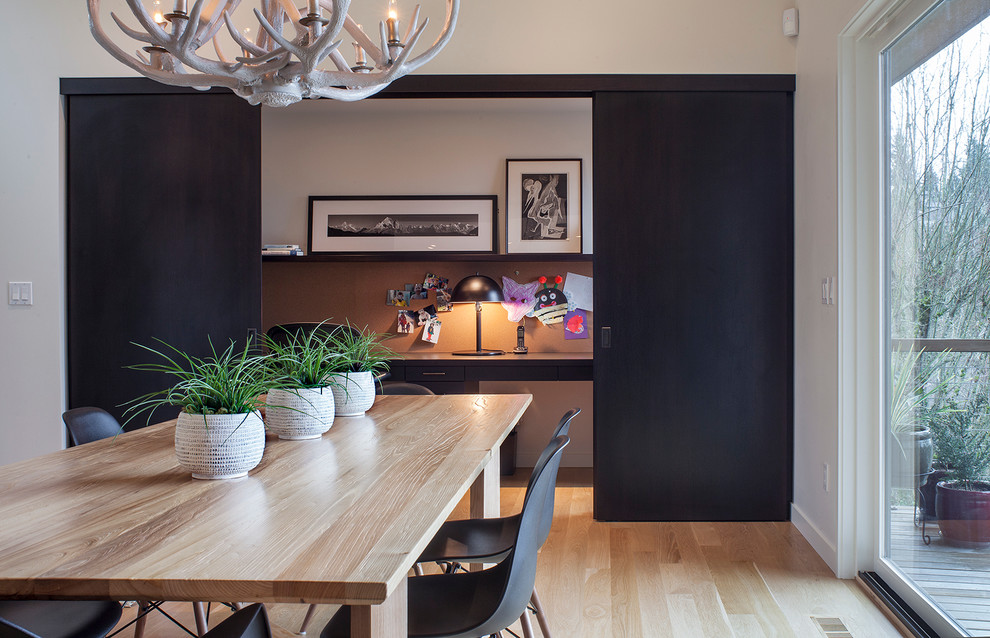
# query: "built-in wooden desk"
[[444, 372], [339, 519]]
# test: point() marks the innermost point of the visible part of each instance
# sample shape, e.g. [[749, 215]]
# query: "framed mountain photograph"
[[402, 224]]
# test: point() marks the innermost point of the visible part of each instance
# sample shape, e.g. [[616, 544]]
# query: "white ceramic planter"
[[353, 392], [221, 447], [305, 413]]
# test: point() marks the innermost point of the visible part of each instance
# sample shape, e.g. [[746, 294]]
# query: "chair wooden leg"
[[308, 619], [527, 625], [142, 619], [418, 569], [200, 612], [540, 616]]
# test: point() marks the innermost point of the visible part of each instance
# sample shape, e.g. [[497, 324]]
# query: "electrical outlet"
[[826, 478]]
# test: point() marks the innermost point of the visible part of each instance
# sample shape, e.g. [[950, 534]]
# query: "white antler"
[[274, 69]]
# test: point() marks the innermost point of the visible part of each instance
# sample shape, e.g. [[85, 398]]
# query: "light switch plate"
[[20, 293]]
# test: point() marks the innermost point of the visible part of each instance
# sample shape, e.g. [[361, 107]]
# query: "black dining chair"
[[481, 603], [486, 540], [58, 618], [90, 424], [249, 622]]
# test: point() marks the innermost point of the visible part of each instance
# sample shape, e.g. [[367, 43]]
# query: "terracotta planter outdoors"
[[219, 446], [964, 514]]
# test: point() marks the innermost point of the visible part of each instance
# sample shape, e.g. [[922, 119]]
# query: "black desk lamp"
[[479, 289]]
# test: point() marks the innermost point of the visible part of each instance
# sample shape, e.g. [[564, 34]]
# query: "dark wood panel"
[[164, 230], [515, 373], [475, 86], [693, 274]]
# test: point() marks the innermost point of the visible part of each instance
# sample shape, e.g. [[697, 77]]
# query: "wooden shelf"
[[398, 256]]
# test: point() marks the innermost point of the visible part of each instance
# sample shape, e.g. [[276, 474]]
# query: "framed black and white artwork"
[[402, 224], [543, 206]]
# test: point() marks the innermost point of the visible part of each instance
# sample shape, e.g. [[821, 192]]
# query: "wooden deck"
[[957, 579]]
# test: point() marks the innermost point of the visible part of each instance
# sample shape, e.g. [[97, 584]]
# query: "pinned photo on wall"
[[398, 298], [579, 290], [434, 282], [406, 321], [443, 301], [425, 315], [576, 325], [416, 291], [431, 331]]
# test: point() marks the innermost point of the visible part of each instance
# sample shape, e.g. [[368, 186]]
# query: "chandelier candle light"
[[274, 70]]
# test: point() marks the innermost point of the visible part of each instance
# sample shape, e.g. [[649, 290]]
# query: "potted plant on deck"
[[219, 433], [962, 502], [913, 387], [361, 355], [306, 358]]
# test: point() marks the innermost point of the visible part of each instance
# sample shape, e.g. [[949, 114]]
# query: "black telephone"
[[521, 340]]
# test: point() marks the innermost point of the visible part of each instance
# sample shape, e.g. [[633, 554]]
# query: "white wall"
[[815, 510], [411, 147]]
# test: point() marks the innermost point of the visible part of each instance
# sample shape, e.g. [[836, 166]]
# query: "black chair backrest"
[[518, 569], [283, 334], [562, 429], [398, 387], [250, 622], [90, 424], [10, 630]]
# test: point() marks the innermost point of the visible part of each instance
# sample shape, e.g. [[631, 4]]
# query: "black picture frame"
[[463, 224]]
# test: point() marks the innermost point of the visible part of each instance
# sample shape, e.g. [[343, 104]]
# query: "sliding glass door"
[[935, 536]]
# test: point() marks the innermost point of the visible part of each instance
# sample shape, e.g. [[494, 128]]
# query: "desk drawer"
[[434, 373]]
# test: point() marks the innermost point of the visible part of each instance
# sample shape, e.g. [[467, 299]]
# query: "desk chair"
[[88, 424], [486, 540], [284, 333], [471, 604], [58, 618]]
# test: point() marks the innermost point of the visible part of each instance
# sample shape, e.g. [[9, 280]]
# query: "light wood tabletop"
[[340, 519]]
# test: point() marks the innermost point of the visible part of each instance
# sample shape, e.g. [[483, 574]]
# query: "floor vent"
[[832, 627]]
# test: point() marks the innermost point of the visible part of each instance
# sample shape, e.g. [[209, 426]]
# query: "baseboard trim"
[[819, 542]]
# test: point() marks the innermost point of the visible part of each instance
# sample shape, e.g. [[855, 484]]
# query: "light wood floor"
[[682, 580]]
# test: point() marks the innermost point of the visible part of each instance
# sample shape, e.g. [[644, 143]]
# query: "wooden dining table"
[[338, 519]]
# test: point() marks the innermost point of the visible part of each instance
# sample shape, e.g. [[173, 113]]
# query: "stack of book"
[[282, 249]]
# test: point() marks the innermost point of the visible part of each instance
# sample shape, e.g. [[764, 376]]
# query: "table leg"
[[386, 620], [484, 491]]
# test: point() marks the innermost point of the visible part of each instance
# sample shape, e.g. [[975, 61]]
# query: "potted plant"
[[913, 388], [305, 358], [962, 503], [361, 355], [219, 433]]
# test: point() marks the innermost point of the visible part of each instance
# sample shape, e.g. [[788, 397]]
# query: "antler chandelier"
[[273, 69]]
